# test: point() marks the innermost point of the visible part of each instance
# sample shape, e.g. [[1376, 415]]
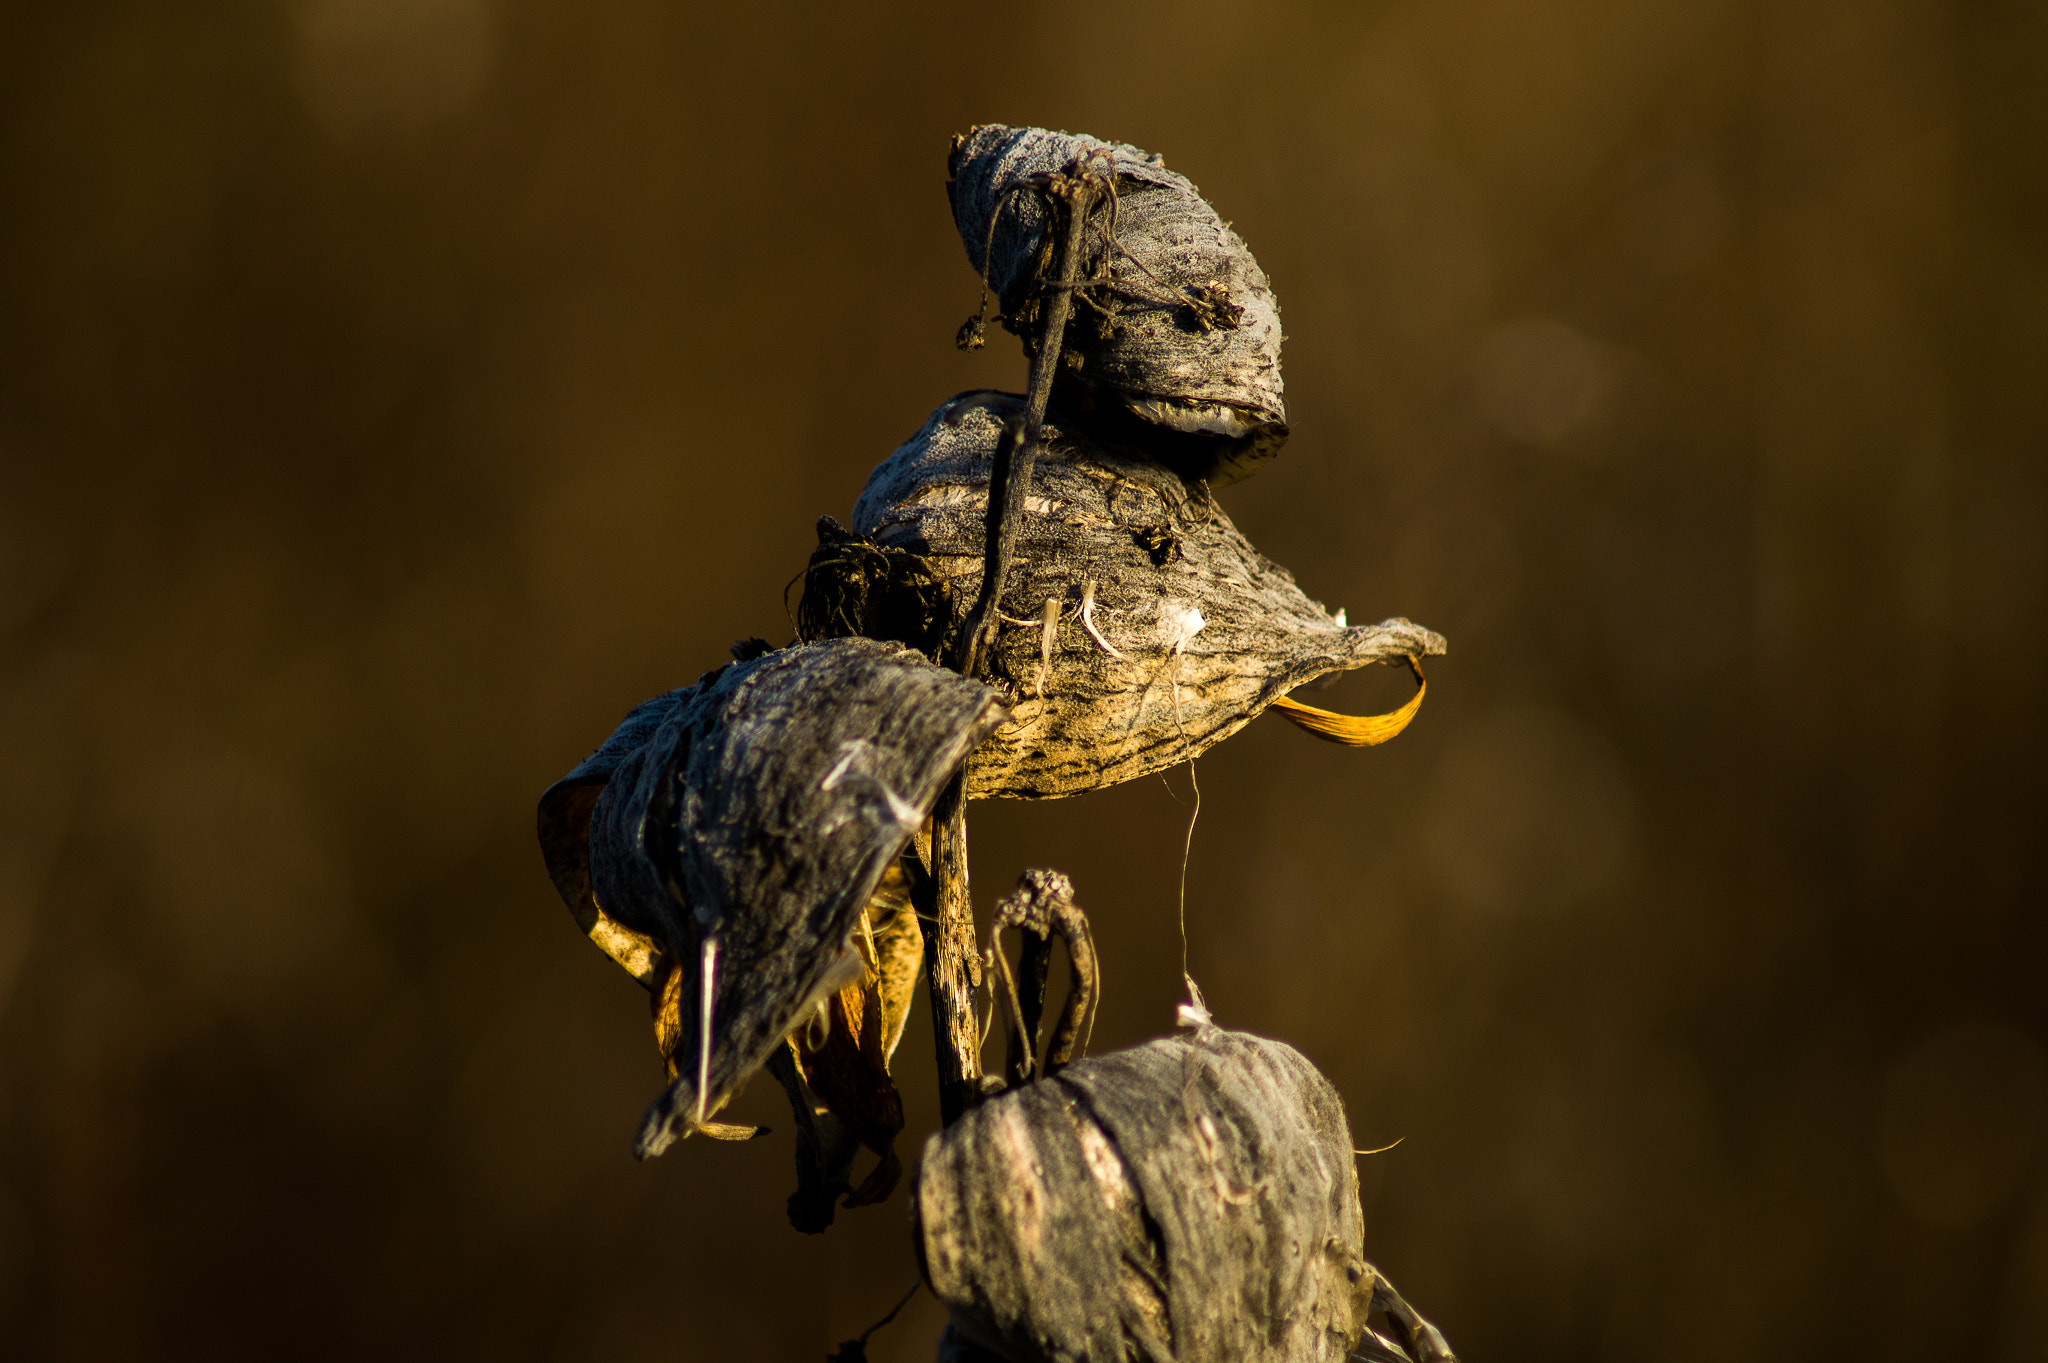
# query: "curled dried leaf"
[[1355, 731], [565, 840]]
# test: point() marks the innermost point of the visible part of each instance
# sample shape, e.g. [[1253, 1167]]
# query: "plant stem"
[[952, 970], [1010, 479]]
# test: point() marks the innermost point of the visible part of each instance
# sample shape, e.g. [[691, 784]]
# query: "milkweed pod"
[[1141, 628], [1193, 1198], [1176, 324], [740, 827], [564, 828]]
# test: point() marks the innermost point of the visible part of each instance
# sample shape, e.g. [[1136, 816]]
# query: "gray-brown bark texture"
[[756, 812], [1175, 322], [1190, 1200], [1142, 627]]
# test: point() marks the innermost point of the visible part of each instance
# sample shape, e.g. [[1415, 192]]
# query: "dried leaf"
[[1354, 731], [846, 1069], [845, 1063], [895, 942], [825, 1150], [836, 1067], [565, 839]]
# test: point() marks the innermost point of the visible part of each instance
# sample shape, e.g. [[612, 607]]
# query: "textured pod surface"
[[1191, 1199], [1177, 322], [758, 811], [1169, 631]]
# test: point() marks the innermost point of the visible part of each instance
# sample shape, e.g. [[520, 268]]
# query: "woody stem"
[[951, 967]]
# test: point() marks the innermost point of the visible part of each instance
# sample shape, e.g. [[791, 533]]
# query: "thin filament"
[[704, 1025], [1186, 852]]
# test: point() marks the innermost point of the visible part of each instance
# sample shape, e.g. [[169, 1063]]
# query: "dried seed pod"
[[1190, 1199], [1175, 323], [741, 827], [1141, 628], [565, 839], [836, 1075]]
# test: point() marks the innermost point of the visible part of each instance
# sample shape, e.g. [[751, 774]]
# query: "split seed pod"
[[835, 1068], [740, 828], [1141, 628], [1175, 323], [1190, 1200]]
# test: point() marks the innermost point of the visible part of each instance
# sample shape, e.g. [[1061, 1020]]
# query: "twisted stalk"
[[952, 967]]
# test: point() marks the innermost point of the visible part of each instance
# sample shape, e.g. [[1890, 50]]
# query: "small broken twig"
[[1073, 194], [856, 1350]]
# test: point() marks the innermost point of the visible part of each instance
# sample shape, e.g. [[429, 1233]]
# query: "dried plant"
[[1038, 596]]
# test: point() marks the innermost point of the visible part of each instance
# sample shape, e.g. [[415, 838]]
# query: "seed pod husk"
[[741, 827], [1168, 630], [1191, 1199], [836, 1075], [565, 839], [1176, 323]]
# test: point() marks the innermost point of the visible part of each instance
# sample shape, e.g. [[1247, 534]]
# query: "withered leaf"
[[841, 1057], [1355, 731]]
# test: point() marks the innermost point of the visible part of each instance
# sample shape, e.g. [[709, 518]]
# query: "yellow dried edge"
[[1355, 731], [640, 954]]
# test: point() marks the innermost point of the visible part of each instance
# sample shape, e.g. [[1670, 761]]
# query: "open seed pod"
[[1141, 628], [565, 839], [1176, 323], [741, 827], [835, 1068], [1190, 1199]]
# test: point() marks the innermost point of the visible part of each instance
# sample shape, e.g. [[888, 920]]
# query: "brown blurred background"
[[393, 392]]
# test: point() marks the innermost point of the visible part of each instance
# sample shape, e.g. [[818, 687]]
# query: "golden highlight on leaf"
[[844, 1064], [1355, 731], [850, 1075], [667, 1003], [640, 954]]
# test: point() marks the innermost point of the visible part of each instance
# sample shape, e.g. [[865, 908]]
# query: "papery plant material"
[[742, 830], [835, 1068], [1175, 323], [1356, 731], [565, 838], [1140, 628], [1190, 1200]]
